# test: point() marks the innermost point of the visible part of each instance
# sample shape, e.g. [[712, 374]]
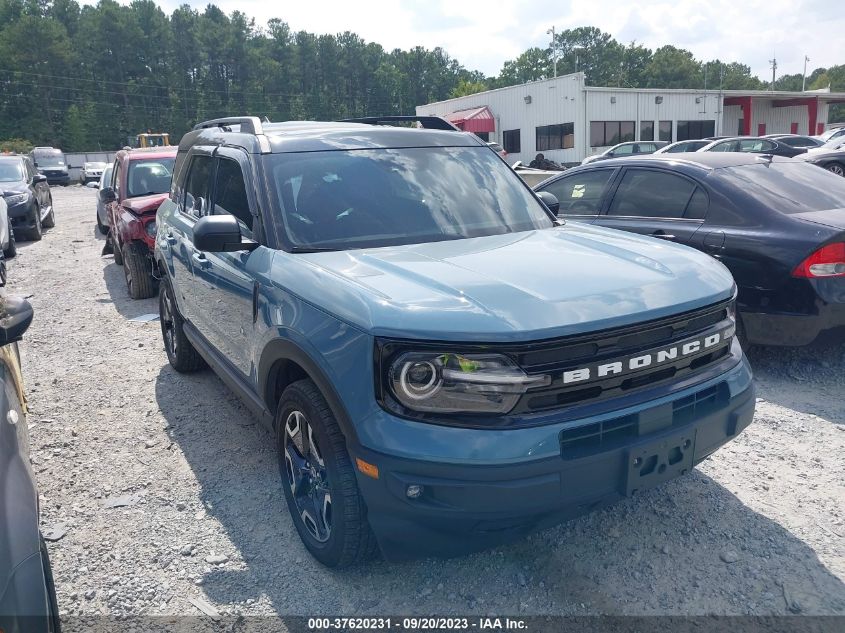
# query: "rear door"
[[656, 202], [581, 194]]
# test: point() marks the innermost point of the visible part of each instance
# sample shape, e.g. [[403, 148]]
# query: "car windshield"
[[338, 200], [789, 187], [11, 171], [50, 160], [148, 176]]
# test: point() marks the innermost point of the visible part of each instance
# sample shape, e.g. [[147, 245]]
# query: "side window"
[[623, 149], [230, 194], [697, 207], [580, 194], [653, 194], [115, 178], [196, 190], [646, 148]]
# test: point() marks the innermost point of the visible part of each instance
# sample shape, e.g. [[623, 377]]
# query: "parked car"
[[831, 134], [777, 224], [795, 140], [91, 172], [27, 592], [7, 235], [140, 182], [833, 145], [832, 161], [27, 196], [498, 149], [683, 146], [52, 163], [102, 209], [626, 149], [445, 366], [753, 145]]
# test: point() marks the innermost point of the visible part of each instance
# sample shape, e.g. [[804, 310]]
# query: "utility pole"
[[551, 32], [774, 63], [804, 76]]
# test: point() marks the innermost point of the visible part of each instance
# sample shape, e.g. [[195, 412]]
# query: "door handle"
[[663, 235], [201, 260]]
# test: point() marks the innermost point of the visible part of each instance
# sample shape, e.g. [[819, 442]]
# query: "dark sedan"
[[777, 224], [27, 592], [832, 161], [753, 145], [796, 140], [28, 197]]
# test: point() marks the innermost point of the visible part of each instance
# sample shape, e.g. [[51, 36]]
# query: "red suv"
[[140, 183]]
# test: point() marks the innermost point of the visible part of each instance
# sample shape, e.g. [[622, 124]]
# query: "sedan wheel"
[[836, 168]]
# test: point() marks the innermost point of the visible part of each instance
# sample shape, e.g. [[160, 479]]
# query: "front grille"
[[590, 439], [562, 355]]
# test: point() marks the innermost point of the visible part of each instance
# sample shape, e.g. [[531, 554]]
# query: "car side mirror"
[[550, 200], [15, 318], [220, 234], [39, 178], [107, 195]]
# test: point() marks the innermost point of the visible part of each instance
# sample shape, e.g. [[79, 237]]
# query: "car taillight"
[[828, 261]]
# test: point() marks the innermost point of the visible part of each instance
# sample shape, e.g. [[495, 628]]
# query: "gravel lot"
[[757, 529]]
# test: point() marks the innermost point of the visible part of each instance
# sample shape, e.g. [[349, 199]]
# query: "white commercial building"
[[566, 120]]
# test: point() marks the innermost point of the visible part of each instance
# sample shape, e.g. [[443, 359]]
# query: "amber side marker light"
[[370, 470]]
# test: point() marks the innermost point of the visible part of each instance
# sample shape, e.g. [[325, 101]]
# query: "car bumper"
[[465, 507], [20, 215]]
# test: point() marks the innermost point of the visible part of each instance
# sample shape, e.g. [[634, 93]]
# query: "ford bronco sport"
[[444, 365], [140, 182]]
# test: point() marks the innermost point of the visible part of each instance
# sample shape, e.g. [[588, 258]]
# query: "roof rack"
[[249, 124], [428, 122]]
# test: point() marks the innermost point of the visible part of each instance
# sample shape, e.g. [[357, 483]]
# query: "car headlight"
[[447, 382], [150, 228], [17, 198]]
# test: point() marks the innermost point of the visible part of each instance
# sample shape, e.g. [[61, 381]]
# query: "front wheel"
[[137, 269], [318, 480], [836, 168], [36, 232], [50, 218], [11, 250]]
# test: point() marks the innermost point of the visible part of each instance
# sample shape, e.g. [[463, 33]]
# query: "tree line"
[[92, 77]]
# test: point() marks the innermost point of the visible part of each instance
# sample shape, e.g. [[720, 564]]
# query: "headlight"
[[458, 383], [17, 198], [150, 228]]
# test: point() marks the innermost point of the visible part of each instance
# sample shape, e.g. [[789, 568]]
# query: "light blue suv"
[[445, 365]]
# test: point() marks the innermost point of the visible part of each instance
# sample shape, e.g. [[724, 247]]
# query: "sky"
[[483, 34]]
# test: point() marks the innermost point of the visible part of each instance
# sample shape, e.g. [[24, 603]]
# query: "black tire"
[[741, 335], [138, 272], [50, 221], [836, 168], [35, 234], [102, 228], [10, 251], [115, 247], [54, 624], [339, 536], [183, 357]]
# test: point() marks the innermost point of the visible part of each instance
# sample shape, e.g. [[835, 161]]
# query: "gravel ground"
[[756, 529]]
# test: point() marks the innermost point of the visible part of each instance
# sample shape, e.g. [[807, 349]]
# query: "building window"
[[561, 136], [511, 141], [606, 133], [693, 130], [484, 136], [665, 131], [646, 130]]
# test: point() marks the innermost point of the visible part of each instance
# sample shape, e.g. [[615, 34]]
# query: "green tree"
[[672, 67]]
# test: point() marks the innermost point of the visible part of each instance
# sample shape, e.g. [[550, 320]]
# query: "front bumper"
[[21, 215], [58, 179], [466, 507]]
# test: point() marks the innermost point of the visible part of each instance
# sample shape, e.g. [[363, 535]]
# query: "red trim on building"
[[745, 104], [813, 113], [473, 119], [793, 127], [761, 129], [820, 128]]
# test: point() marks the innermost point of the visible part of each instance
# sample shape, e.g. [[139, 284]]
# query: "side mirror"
[[15, 318], [220, 234], [107, 195], [550, 200], [38, 178]]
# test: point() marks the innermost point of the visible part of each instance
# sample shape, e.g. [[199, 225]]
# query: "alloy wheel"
[[167, 324], [837, 169], [305, 473]]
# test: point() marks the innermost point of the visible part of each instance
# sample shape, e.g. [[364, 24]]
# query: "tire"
[[54, 624], [836, 168], [36, 233], [12, 249], [318, 479], [115, 246], [741, 335], [183, 357], [138, 271], [102, 228], [50, 221]]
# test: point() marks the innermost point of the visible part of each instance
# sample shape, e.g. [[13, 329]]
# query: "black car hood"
[[11, 188]]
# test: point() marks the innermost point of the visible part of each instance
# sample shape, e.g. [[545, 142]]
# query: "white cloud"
[[483, 35]]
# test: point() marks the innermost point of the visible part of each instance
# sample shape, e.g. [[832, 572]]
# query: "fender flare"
[[286, 350]]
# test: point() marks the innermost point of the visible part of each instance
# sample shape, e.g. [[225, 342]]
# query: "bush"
[[15, 145]]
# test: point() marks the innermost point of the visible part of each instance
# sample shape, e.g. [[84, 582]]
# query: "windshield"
[[789, 187], [11, 171], [148, 176], [53, 159], [365, 198]]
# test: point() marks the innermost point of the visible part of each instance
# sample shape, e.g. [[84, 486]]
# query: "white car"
[[7, 238], [832, 145], [91, 171], [831, 133]]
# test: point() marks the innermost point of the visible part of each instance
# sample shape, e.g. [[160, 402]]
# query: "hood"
[[145, 204], [523, 286], [12, 188]]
